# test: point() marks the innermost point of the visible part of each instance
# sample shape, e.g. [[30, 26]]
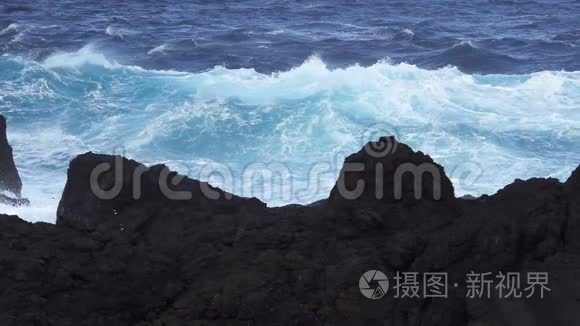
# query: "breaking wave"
[[486, 130]]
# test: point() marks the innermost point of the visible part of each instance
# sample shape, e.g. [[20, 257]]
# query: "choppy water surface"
[[491, 89]]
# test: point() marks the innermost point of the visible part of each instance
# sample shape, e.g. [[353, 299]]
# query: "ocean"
[[267, 98]]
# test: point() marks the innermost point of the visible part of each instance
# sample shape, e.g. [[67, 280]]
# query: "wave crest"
[[506, 126]]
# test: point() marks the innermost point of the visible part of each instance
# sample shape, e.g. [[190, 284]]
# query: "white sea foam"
[[42, 209], [16, 31], [85, 55], [88, 55], [10, 28], [17, 38], [408, 32], [158, 49], [276, 32], [117, 31], [494, 128]]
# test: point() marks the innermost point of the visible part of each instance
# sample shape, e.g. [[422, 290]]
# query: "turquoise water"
[[486, 130]]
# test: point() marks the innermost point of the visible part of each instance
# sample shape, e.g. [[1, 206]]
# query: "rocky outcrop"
[[9, 179], [225, 260], [389, 171], [101, 188]]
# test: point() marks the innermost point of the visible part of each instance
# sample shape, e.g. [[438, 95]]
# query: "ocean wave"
[[120, 32], [17, 38], [158, 49], [110, 30], [10, 28], [507, 126], [407, 32], [14, 31], [471, 59], [89, 56], [85, 55]]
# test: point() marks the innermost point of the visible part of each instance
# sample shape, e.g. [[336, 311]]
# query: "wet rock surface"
[[228, 260]]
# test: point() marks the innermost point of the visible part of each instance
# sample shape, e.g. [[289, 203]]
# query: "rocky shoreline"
[[229, 260]]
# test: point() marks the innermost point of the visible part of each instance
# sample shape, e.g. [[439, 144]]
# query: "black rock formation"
[[9, 178], [85, 203], [217, 259], [391, 171]]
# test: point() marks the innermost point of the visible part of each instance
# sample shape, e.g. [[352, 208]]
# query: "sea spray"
[[485, 130]]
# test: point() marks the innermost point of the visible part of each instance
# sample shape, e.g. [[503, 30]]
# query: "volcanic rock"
[[390, 171], [120, 259], [10, 182], [100, 188], [9, 178]]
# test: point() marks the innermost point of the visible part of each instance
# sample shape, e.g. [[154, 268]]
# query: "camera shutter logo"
[[374, 284]]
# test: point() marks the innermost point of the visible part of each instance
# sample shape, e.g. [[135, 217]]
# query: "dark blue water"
[[476, 36], [491, 89]]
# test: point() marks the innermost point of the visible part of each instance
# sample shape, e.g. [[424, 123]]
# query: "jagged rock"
[[573, 183], [10, 182], [9, 178], [390, 171], [155, 261], [99, 188], [573, 227]]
